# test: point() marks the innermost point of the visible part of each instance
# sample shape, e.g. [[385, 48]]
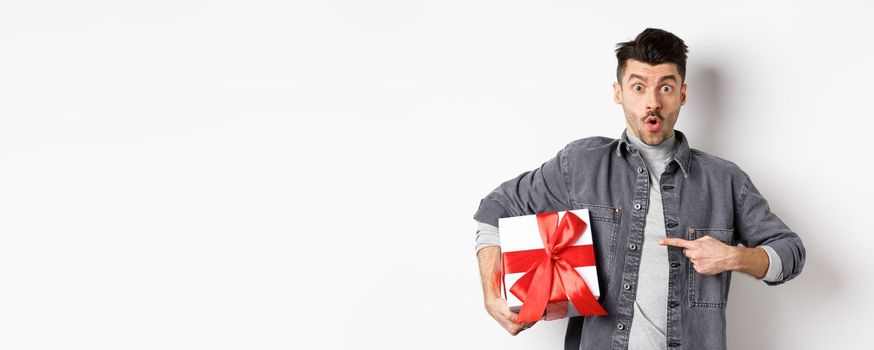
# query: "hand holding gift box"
[[545, 271]]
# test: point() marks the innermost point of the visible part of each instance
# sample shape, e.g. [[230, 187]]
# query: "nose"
[[652, 102]]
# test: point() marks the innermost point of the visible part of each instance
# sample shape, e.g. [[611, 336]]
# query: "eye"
[[637, 87], [667, 88]]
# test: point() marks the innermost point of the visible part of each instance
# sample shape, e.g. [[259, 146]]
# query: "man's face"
[[651, 97]]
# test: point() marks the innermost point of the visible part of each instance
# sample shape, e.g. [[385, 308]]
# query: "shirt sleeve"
[[775, 266], [756, 225], [486, 236], [540, 190]]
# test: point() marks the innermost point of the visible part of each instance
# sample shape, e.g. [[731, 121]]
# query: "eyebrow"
[[667, 77]]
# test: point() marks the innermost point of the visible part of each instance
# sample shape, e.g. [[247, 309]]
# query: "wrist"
[[752, 261], [736, 258]]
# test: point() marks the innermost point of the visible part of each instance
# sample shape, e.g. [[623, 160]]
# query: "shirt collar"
[[683, 158]]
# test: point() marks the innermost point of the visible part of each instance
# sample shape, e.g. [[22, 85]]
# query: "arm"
[[758, 228], [709, 256], [751, 261], [761, 262], [540, 190], [490, 273]]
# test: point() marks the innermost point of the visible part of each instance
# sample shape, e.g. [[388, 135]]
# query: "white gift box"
[[522, 233]]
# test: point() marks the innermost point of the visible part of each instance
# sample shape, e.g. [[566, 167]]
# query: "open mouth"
[[653, 123]]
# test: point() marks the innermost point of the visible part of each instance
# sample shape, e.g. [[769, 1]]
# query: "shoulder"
[[588, 153], [591, 144], [715, 166]]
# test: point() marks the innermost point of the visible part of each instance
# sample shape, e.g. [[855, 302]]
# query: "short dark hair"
[[652, 46]]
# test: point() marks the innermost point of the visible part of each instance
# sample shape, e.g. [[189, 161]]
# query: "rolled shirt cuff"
[[486, 236], [775, 266]]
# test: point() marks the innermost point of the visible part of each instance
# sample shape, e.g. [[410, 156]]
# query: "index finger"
[[676, 242]]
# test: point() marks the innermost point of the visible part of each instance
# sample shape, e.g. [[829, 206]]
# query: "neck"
[[655, 155], [638, 142]]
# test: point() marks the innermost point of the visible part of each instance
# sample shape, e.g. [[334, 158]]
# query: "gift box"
[[548, 265]]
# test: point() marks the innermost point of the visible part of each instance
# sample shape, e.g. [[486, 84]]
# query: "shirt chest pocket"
[[709, 291], [605, 222]]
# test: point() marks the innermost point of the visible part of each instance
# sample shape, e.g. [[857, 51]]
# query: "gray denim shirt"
[[701, 195]]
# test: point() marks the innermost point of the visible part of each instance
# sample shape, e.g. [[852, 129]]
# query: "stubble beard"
[[643, 135]]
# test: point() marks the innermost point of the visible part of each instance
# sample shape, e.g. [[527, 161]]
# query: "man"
[[666, 219]]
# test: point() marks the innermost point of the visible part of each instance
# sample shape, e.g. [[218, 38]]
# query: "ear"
[[683, 95], [617, 93]]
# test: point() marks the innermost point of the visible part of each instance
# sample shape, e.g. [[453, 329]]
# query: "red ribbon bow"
[[549, 272]]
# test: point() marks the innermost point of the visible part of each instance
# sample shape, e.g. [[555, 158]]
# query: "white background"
[[275, 175]]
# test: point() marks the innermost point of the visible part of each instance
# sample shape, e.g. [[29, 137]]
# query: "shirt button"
[[640, 170], [672, 224], [620, 326], [674, 304], [632, 247], [675, 265], [674, 345], [637, 206], [626, 286]]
